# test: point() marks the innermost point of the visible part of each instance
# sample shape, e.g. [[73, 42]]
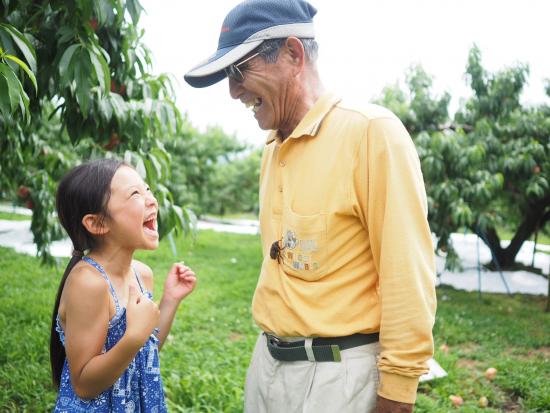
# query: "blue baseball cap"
[[245, 27]]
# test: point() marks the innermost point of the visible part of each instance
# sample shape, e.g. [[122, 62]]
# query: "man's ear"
[[95, 224], [296, 52]]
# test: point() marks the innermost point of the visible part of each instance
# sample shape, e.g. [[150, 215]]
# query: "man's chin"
[[263, 125]]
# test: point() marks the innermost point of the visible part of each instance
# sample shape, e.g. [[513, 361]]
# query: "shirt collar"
[[311, 122]]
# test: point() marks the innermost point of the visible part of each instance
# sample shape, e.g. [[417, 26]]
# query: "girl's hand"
[[179, 283], [142, 316]]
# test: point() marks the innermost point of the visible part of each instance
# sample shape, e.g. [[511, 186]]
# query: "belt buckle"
[[273, 339]]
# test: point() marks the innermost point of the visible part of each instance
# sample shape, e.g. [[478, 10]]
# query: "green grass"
[[205, 359], [14, 217], [542, 238], [511, 334], [508, 234]]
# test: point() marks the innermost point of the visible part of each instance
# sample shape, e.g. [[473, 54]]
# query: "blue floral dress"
[[139, 389]]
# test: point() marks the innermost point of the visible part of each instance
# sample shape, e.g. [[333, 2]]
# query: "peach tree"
[[488, 167], [75, 84]]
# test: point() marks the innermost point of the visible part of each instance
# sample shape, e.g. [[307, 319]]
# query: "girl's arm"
[[86, 304], [181, 280], [167, 313]]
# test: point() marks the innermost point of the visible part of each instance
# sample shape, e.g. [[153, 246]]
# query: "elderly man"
[[345, 297]]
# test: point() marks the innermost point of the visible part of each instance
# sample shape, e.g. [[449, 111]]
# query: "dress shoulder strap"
[[104, 274], [139, 281]]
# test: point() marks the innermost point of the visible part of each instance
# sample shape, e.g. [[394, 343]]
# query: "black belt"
[[320, 348]]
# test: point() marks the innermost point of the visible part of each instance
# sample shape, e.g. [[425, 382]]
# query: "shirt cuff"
[[398, 388]]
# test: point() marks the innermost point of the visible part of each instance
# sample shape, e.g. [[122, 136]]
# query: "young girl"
[[106, 330]]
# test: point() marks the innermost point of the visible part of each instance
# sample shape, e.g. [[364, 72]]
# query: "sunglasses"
[[233, 72]]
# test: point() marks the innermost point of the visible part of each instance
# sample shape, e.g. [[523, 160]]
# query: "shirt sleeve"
[[394, 210]]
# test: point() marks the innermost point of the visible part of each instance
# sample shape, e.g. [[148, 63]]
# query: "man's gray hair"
[[269, 49]]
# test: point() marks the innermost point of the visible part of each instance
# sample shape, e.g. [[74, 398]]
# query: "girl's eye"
[[148, 189], [135, 192]]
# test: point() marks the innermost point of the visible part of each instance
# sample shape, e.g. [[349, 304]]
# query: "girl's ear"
[[95, 224]]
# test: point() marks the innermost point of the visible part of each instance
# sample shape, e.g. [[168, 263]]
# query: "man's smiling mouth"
[[254, 104]]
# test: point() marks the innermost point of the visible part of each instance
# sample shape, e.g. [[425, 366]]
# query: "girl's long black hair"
[[83, 190]]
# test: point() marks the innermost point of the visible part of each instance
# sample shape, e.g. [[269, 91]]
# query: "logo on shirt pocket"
[[304, 245]]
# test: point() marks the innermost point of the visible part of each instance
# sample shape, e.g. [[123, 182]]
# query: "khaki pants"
[[274, 386]]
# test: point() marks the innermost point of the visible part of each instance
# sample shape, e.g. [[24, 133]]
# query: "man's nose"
[[235, 88]]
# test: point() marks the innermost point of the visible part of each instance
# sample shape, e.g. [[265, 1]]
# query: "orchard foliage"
[[487, 168], [213, 172], [75, 84]]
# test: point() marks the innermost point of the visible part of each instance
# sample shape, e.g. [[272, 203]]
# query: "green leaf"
[[6, 41], [134, 8], [25, 68], [102, 71], [65, 34], [179, 222], [5, 106], [156, 165], [534, 190], [23, 44], [119, 15], [164, 159], [82, 71], [14, 85], [83, 98], [105, 109], [24, 105], [119, 106], [128, 156], [190, 220], [150, 176], [104, 11], [140, 168], [65, 61]]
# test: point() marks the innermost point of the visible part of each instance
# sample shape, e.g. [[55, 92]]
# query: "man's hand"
[[389, 406]]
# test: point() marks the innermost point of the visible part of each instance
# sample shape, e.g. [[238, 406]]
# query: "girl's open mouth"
[[150, 226]]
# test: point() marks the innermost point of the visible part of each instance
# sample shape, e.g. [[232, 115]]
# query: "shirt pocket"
[[304, 245]]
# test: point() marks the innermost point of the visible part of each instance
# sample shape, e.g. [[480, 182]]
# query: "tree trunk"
[[535, 218]]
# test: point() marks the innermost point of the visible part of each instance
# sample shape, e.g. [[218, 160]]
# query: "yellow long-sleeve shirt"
[[344, 194]]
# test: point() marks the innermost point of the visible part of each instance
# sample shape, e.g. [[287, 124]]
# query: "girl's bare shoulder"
[[85, 287], [87, 277]]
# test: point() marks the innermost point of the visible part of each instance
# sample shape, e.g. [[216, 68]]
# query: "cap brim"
[[212, 70]]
